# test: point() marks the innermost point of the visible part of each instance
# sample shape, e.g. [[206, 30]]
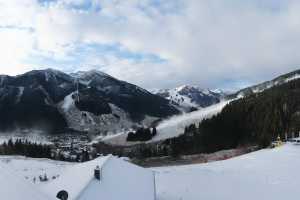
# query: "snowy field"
[[30, 169], [269, 174]]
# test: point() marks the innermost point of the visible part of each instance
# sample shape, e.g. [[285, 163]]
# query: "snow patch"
[[68, 102], [20, 94]]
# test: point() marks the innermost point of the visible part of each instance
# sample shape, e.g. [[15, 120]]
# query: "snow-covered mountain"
[[268, 84], [85, 101], [189, 98]]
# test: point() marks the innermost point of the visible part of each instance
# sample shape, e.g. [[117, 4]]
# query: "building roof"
[[75, 179], [119, 180]]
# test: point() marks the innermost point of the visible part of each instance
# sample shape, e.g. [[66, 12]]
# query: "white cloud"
[[201, 42]]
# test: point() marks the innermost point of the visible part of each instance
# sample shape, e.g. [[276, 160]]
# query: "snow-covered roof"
[[119, 180], [13, 187], [75, 179]]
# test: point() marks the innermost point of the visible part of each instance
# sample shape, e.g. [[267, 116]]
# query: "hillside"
[[258, 118], [171, 127], [268, 84], [266, 174], [85, 101], [175, 125]]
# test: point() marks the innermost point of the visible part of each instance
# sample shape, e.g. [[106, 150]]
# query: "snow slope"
[[119, 180], [175, 126], [12, 187], [29, 168], [171, 127], [269, 174], [75, 179]]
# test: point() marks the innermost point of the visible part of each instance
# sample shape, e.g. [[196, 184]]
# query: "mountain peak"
[[89, 73], [189, 97]]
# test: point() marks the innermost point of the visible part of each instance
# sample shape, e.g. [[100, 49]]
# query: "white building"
[[118, 180]]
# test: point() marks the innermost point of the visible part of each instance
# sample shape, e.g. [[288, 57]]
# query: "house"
[[108, 178]]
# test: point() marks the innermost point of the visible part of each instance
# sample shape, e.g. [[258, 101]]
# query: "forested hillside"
[[256, 119]]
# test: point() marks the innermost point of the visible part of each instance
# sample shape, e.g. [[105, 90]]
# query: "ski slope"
[[175, 126], [171, 127], [269, 174]]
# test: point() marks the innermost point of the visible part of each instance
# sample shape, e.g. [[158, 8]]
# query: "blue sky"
[[154, 43]]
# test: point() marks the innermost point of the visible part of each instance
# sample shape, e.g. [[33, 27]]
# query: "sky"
[[226, 44]]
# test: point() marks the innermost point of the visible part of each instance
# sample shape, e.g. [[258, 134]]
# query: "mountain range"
[[190, 98], [96, 102], [256, 116], [89, 101]]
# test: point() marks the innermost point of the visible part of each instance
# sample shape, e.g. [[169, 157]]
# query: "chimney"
[[97, 173]]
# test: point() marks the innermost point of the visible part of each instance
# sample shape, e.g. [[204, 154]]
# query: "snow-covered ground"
[[175, 126], [119, 179], [29, 169], [269, 174]]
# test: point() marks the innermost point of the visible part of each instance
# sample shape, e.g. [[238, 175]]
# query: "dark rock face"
[[28, 111], [32, 99], [90, 100]]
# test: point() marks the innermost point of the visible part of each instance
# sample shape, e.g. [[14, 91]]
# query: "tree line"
[[142, 134], [25, 148]]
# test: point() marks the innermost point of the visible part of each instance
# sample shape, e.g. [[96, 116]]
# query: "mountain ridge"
[[189, 98], [95, 101], [279, 80]]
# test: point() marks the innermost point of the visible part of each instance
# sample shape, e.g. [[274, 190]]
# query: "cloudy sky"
[[154, 43]]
